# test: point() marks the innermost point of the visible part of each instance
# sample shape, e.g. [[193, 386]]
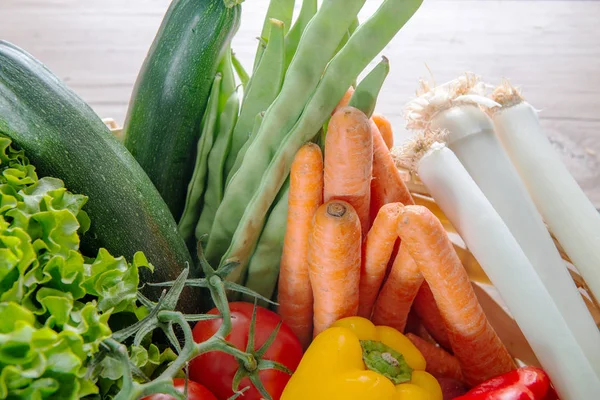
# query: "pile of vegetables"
[[250, 234]]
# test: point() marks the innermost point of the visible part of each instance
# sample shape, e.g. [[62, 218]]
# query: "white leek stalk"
[[495, 248], [565, 207], [454, 108], [470, 135]]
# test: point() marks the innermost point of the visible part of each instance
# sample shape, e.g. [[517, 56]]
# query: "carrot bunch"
[[356, 244]]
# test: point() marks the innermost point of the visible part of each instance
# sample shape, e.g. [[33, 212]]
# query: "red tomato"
[[195, 391], [216, 369]]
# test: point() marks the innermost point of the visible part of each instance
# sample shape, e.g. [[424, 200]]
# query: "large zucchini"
[[64, 138], [163, 123]]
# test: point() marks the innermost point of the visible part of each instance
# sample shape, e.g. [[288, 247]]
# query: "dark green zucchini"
[[64, 138], [163, 123]]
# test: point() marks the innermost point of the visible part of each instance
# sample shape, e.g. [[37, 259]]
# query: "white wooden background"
[[550, 48]]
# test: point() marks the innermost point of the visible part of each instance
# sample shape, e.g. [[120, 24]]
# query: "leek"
[[566, 209], [507, 266], [455, 109]]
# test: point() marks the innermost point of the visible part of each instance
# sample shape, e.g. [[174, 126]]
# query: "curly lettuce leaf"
[[38, 362], [113, 280], [150, 360], [55, 304]]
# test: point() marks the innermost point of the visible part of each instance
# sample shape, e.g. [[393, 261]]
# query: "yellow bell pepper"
[[356, 360]]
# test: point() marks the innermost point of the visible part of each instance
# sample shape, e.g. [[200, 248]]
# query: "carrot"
[[426, 308], [476, 345], [334, 249], [398, 292], [438, 360], [385, 129], [305, 196], [344, 101], [393, 257], [387, 185], [415, 326], [424, 334], [349, 162], [413, 323], [377, 250]]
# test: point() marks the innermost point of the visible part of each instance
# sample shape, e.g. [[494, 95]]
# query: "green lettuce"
[[55, 304]]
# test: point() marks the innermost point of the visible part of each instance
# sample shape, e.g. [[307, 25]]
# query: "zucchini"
[[64, 138], [163, 123]]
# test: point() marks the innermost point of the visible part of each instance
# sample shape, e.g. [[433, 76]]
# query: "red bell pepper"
[[528, 383]]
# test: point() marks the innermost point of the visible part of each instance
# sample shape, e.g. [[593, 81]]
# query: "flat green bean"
[[315, 50], [367, 41], [262, 90], [216, 162], [349, 33], [240, 71], [307, 11], [238, 161], [281, 10], [365, 96], [263, 267], [228, 84], [193, 201]]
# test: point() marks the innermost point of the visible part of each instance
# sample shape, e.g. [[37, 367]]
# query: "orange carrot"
[[387, 185], [476, 345], [392, 258], [424, 334], [413, 323], [398, 292], [438, 360], [334, 248], [377, 250], [345, 100], [425, 307], [385, 128], [304, 198], [349, 162]]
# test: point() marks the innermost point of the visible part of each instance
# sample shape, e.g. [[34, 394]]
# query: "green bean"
[[315, 50], [263, 267], [262, 90], [193, 201], [238, 161], [349, 33], [216, 161], [240, 71], [228, 84], [281, 10], [366, 42], [365, 96], [308, 10]]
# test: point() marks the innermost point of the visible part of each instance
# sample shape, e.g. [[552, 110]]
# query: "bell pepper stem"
[[386, 361]]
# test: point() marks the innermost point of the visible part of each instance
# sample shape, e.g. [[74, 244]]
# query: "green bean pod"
[[263, 88], [281, 10], [193, 201], [366, 42], [263, 267], [315, 50], [365, 96], [216, 162], [349, 33], [240, 71], [228, 85], [308, 10]]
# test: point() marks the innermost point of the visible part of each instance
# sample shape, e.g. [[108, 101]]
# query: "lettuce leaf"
[[55, 304]]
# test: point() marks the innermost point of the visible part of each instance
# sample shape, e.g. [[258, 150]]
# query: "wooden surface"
[[550, 48]]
